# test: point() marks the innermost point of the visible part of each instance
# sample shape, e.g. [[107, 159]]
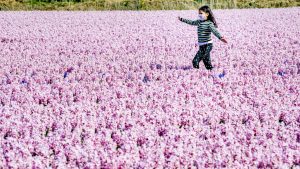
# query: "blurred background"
[[141, 4]]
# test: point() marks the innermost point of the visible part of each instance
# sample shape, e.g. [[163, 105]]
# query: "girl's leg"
[[198, 58], [206, 59]]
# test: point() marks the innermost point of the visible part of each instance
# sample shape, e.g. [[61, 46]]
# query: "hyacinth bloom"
[[117, 89]]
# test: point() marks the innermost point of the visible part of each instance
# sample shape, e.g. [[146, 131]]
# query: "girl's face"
[[203, 15]]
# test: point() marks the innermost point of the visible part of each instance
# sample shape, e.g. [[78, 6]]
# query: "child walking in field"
[[206, 24]]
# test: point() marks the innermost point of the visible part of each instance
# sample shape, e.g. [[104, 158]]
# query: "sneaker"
[[196, 66]]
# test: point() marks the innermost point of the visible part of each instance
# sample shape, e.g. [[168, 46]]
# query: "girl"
[[206, 24]]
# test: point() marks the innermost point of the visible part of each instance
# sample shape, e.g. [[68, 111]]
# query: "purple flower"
[[65, 74], [269, 135], [158, 66], [146, 79], [221, 75], [162, 132], [298, 137], [86, 101], [260, 165], [281, 73]]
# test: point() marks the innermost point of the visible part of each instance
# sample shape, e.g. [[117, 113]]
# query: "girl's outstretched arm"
[[216, 33], [196, 22]]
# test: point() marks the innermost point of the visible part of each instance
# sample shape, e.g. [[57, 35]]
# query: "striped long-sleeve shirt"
[[204, 30]]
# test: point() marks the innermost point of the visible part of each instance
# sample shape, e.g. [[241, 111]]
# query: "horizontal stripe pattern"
[[205, 28]]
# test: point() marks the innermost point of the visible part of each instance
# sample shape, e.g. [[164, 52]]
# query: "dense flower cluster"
[[118, 90]]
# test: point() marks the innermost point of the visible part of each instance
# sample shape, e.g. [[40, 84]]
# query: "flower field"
[[116, 89]]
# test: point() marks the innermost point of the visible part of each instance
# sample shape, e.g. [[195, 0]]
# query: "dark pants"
[[203, 54]]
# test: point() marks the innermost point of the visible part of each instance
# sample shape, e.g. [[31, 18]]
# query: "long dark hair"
[[210, 17]]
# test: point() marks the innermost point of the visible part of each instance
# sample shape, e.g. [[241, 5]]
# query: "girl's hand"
[[223, 40]]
